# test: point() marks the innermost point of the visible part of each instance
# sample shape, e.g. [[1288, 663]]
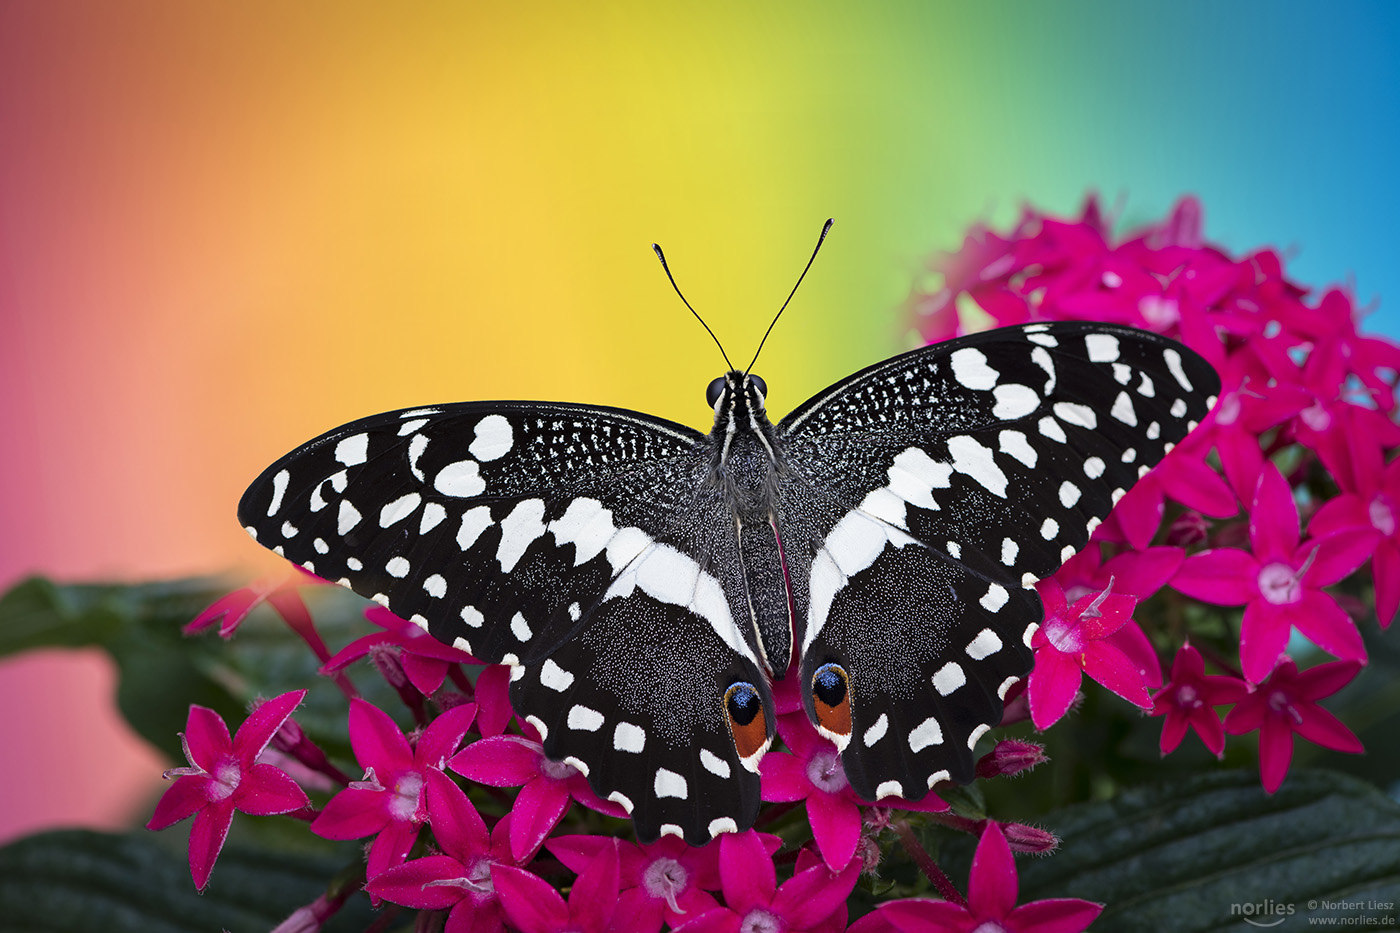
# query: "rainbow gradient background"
[[227, 227]]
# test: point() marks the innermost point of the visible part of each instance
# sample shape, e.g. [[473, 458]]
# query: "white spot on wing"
[[555, 677], [714, 764], [1014, 444], [1174, 367], [971, 370], [279, 489], [628, 737], [995, 598], [670, 784], [494, 438], [926, 733], [415, 451], [472, 616], [1049, 528], [352, 450], [433, 514], [889, 789], [949, 678], [1050, 428], [408, 427], [399, 509], [520, 628], [1014, 401], [1069, 494], [977, 734], [398, 567], [1009, 550], [984, 645], [1178, 408], [1123, 410], [723, 824], [1042, 359], [976, 462], [583, 719], [519, 529], [1103, 348], [436, 586], [348, 518], [621, 799], [914, 475], [877, 731], [1093, 467], [474, 522], [1074, 413], [461, 480]]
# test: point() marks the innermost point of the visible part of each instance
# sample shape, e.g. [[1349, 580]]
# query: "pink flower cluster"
[[1283, 492], [1287, 488]]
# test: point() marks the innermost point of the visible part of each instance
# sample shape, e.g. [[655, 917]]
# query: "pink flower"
[[1370, 501], [424, 659], [1287, 703], [991, 901], [1280, 583], [1189, 700], [458, 880], [1080, 639], [545, 787], [666, 881], [533, 906], [388, 803], [813, 773], [755, 903], [223, 776], [1185, 477]]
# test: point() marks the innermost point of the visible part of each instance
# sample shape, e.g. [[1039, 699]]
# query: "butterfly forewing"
[[965, 471], [581, 545]]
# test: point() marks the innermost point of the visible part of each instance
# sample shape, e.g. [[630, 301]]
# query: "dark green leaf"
[[1204, 853], [75, 881]]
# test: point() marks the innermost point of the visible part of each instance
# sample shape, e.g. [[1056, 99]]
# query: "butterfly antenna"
[[825, 227], [662, 256]]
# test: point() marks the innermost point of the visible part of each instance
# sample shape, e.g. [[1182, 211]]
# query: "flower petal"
[[809, 897], [784, 778], [500, 761], [181, 800], [440, 740], [1325, 679], [530, 902], [457, 827], [920, 915], [1057, 915], [593, 898], [746, 872], [262, 724], [1335, 556], [538, 808], [266, 791], [1224, 576], [992, 883], [352, 814], [390, 847], [1263, 639], [1322, 728], [1318, 617], [1106, 663], [207, 837], [412, 883], [1273, 517], [377, 740], [1053, 683], [835, 828], [1275, 752], [206, 737]]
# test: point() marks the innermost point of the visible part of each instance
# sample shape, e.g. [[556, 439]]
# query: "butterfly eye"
[[831, 689], [760, 385], [747, 724], [713, 393]]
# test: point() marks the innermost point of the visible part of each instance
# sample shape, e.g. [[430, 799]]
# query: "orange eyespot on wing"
[[831, 693], [748, 726]]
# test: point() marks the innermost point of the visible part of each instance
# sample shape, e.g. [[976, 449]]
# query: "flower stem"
[[927, 865]]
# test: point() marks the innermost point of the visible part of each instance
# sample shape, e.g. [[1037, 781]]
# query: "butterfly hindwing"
[[580, 545], [966, 471]]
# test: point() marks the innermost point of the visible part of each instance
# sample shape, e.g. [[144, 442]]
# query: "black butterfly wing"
[[579, 545], [958, 475]]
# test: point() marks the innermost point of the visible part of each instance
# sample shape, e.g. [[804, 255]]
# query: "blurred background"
[[225, 228]]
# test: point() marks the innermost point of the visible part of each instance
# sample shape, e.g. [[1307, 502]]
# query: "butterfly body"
[[648, 583]]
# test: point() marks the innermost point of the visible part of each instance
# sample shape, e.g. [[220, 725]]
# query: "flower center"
[[476, 882], [1280, 703], [824, 770], [224, 780], [407, 796], [1316, 416], [761, 920], [1159, 312], [1228, 411], [990, 926], [557, 770], [1187, 697], [1278, 584], [665, 878], [1063, 636], [1382, 513]]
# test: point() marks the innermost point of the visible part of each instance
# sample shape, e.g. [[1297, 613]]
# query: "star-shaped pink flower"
[[1095, 636], [533, 906], [1370, 501], [1189, 700], [424, 659], [388, 803], [753, 900], [1287, 703], [223, 775], [813, 773], [459, 879], [545, 786], [991, 901], [1279, 581]]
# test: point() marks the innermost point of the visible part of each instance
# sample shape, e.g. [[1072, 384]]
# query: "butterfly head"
[[749, 389]]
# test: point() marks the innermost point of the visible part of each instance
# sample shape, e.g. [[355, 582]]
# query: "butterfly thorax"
[[746, 463]]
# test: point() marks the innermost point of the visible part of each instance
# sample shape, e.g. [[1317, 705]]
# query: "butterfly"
[[648, 583]]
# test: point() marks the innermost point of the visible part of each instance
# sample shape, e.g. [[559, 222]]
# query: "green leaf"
[[37, 613], [1205, 853], [76, 881]]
